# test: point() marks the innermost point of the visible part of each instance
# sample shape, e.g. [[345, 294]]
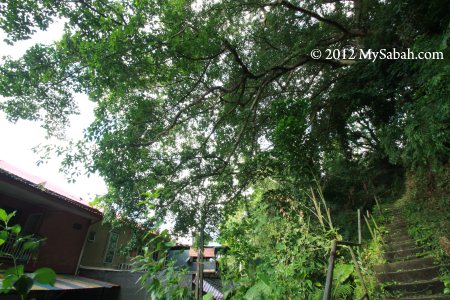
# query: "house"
[[89, 256], [107, 247], [186, 256], [44, 210], [63, 221]]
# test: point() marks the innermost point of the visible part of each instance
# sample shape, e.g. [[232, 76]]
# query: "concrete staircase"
[[408, 273]]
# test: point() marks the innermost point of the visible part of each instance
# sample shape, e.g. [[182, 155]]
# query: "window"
[[111, 247], [91, 236], [33, 224]]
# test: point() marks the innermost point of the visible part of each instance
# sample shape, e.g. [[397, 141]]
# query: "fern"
[[259, 291], [342, 291]]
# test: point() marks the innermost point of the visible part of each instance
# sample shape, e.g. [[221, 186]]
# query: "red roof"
[[207, 252], [47, 187]]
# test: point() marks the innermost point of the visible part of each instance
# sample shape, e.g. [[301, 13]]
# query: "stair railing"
[[334, 245], [329, 281]]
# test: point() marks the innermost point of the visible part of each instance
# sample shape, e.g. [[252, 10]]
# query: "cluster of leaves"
[[160, 278], [275, 250], [197, 96], [370, 255], [204, 99], [14, 278], [427, 219], [445, 278]]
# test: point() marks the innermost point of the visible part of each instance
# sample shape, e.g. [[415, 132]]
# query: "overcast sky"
[[17, 140]]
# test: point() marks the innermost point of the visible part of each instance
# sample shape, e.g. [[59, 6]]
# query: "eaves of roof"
[[49, 189]]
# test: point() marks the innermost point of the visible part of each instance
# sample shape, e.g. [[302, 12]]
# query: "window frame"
[[108, 246]]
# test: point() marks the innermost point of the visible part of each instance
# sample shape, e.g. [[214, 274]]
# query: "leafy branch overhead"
[[201, 99]]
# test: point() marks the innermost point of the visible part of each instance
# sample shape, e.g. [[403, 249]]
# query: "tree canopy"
[[202, 99]]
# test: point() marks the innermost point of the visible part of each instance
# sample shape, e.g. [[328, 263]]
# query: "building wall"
[[181, 258], [94, 252], [130, 288], [64, 242], [22, 209], [64, 233]]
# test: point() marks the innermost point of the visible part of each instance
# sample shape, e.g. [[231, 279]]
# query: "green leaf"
[[259, 291], [11, 215], [7, 284], [3, 215], [170, 244], [30, 245], [342, 272], [23, 285], [208, 296], [45, 276], [227, 294], [15, 271], [3, 236], [16, 229], [280, 246]]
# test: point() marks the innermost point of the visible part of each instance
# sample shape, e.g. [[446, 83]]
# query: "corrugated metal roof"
[[47, 187], [71, 282]]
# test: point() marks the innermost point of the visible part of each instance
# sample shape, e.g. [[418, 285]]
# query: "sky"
[[17, 140]]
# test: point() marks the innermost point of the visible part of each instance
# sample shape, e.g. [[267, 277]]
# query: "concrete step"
[[394, 242], [427, 273], [412, 264], [396, 215], [397, 230], [416, 288], [402, 245], [395, 235], [428, 297], [397, 225], [402, 254], [398, 238]]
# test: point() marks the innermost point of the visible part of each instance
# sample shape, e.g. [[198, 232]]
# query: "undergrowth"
[[427, 214], [370, 255]]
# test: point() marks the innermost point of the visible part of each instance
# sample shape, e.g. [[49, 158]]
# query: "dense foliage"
[[203, 100], [160, 278], [275, 249]]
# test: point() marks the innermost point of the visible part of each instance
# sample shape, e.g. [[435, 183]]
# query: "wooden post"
[[359, 227], [329, 282]]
